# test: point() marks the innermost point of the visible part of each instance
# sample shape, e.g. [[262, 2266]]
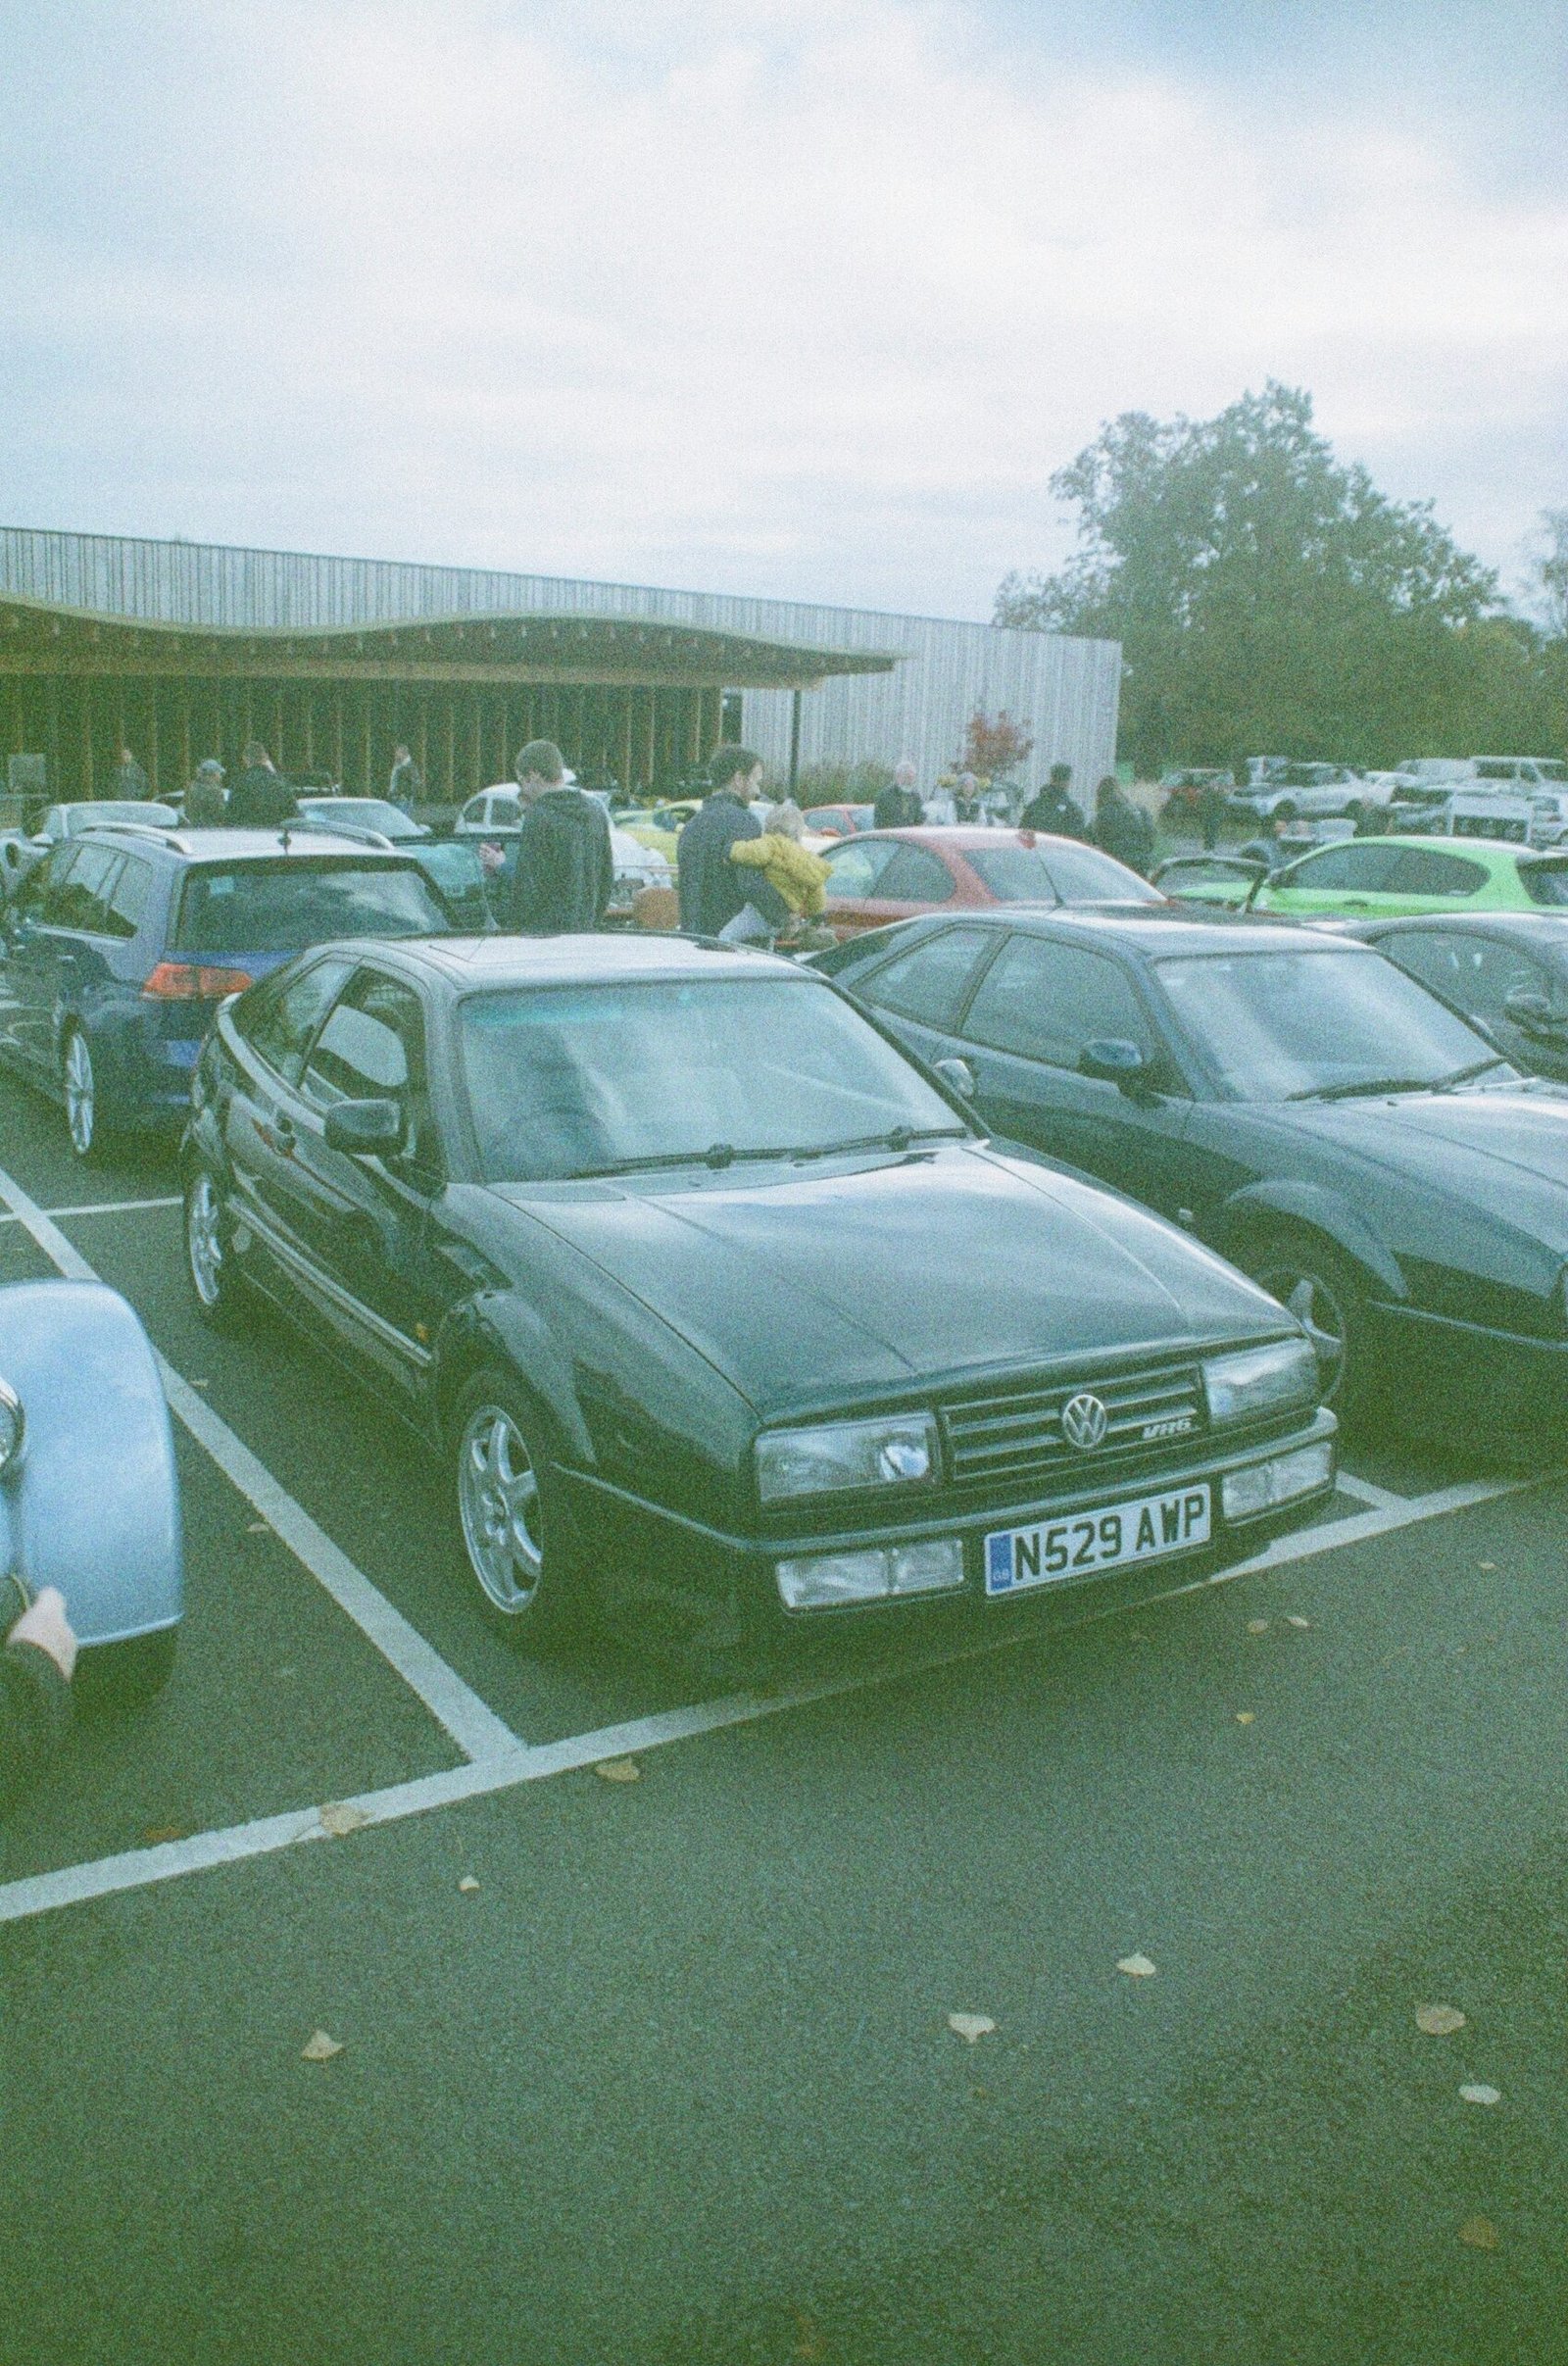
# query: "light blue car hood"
[[92, 1505]]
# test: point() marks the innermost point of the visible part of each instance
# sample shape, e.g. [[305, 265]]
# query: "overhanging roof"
[[38, 639]]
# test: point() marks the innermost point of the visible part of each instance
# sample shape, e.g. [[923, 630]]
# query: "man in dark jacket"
[[1121, 828], [565, 870], [714, 890], [260, 798], [128, 780], [1052, 808], [898, 807], [35, 1670]]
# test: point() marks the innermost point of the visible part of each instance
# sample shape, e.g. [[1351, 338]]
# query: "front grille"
[[1015, 1433]]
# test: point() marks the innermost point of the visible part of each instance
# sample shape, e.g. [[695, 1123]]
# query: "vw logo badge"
[[1084, 1419]]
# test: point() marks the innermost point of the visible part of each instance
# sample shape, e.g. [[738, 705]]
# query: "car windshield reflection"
[[602, 1079], [1296, 1027]]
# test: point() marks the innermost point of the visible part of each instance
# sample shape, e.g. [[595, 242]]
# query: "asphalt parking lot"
[[676, 2080]]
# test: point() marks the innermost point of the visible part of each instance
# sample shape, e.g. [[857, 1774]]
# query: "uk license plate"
[[1089, 1541]]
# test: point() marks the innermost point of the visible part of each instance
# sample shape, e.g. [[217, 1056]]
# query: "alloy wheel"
[[81, 1101], [203, 1244], [498, 1503]]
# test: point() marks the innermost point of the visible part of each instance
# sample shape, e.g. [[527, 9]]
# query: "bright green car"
[[1383, 878]]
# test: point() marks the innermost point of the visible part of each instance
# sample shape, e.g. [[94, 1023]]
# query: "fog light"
[[1267, 1484], [822, 1579], [927, 1569]]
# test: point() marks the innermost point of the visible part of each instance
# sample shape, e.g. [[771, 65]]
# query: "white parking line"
[[1365, 1493], [142, 1868], [99, 1208], [475, 1728]]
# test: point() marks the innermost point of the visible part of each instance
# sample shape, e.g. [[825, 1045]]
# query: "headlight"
[[12, 1425], [896, 1451], [1261, 1380]]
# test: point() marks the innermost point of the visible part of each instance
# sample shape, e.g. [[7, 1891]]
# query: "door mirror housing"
[[367, 1129], [958, 1076], [1112, 1059], [1533, 1011]]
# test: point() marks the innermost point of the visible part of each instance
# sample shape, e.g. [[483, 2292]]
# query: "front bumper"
[[693, 1570]]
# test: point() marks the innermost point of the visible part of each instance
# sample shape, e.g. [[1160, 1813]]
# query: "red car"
[[839, 821], [885, 875]]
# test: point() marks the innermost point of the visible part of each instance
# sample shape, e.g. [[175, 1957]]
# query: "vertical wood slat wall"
[[463, 735]]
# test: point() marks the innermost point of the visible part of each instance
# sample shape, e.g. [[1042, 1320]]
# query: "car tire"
[[86, 1127], [117, 1678], [1320, 1286], [1285, 811], [215, 1283], [510, 1536]]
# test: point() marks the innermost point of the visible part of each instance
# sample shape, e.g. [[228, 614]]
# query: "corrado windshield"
[[604, 1079], [1301, 1026]]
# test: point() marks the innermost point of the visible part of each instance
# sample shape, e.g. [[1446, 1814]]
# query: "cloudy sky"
[[801, 297]]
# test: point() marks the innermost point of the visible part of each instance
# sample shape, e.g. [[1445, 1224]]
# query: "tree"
[[1267, 595], [995, 747]]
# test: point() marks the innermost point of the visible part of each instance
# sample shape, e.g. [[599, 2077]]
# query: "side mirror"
[[367, 1129], [958, 1076], [1111, 1059], [1533, 1012]]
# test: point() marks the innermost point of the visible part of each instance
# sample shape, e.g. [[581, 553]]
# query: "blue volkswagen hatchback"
[[122, 944]]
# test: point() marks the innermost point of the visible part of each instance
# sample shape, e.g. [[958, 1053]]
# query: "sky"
[[803, 298]]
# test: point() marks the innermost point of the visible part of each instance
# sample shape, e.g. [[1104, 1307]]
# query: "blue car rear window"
[[283, 906]]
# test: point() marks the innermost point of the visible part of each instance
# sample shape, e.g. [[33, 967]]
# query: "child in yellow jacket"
[[796, 875]]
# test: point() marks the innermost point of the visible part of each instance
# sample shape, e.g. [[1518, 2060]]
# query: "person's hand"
[[44, 1623]]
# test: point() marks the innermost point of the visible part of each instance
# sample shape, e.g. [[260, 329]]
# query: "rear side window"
[[1545, 882], [283, 906], [1422, 871], [928, 985], [915, 876], [128, 899], [1045, 1001], [854, 869], [1051, 874], [280, 1020], [1356, 869], [81, 899]]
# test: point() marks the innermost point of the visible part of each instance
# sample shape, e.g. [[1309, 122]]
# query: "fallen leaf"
[[156, 1834], [1486, 1564], [341, 1816], [1257, 1626], [1439, 2020], [1246, 1716], [810, 2345], [320, 2048], [1137, 1967], [1478, 2094], [467, 1882], [1294, 1621], [619, 1770], [201, 1383], [257, 1527], [1480, 2234], [970, 2027], [289, 1671]]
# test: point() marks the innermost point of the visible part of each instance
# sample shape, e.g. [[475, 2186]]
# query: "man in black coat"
[[898, 807], [1052, 808], [260, 798], [714, 890], [566, 869]]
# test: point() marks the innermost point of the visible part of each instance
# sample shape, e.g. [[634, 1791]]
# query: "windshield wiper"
[[724, 1153], [1368, 1087], [1477, 1067]]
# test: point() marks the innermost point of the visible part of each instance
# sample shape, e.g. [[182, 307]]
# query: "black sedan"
[[1293, 1099], [714, 1303], [1507, 972]]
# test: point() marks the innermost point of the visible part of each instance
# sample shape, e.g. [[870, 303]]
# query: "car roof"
[[1496, 850], [232, 846], [963, 836], [489, 962], [1150, 929], [1548, 927]]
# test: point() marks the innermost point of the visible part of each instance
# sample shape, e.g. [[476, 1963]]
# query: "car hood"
[[1506, 1151], [807, 1289]]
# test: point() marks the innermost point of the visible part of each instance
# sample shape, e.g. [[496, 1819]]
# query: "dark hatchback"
[[1505, 972], [1295, 1100], [118, 949], [714, 1303]]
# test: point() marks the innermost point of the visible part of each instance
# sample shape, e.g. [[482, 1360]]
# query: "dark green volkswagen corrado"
[[714, 1304]]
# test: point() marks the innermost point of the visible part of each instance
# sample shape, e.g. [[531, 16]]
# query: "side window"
[[506, 813], [928, 984], [128, 899], [915, 876], [1421, 870], [280, 1027], [40, 889], [1356, 869], [854, 867], [1046, 1001], [82, 900], [1497, 971], [373, 1048], [1434, 960]]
